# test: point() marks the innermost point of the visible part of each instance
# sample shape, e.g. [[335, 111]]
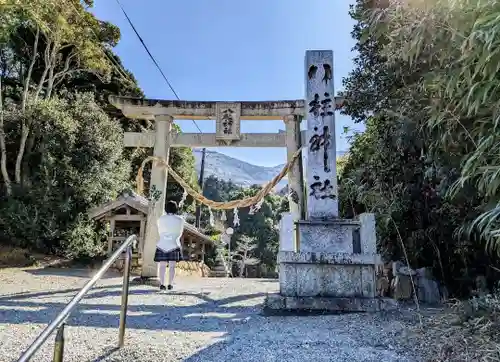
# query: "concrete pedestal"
[[330, 272]]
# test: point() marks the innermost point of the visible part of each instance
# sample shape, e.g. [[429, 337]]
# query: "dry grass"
[[191, 268], [464, 331], [13, 257]]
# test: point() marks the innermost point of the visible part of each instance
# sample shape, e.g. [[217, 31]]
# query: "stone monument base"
[[276, 304], [332, 268], [307, 274]]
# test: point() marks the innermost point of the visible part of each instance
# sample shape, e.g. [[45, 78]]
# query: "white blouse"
[[170, 229]]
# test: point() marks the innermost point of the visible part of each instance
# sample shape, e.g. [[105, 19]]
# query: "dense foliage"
[[61, 149], [425, 84], [78, 154]]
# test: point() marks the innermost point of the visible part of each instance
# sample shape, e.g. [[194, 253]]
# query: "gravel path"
[[204, 319]]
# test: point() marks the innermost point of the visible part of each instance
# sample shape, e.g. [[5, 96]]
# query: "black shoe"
[[162, 287], [170, 287]]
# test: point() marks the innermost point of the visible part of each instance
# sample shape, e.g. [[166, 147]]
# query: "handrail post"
[[59, 345], [125, 291], [60, 319]]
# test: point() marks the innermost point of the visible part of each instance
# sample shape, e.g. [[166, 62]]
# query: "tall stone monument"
[[332, 266]]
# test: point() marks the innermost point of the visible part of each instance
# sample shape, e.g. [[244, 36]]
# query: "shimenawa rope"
[[247, 202]]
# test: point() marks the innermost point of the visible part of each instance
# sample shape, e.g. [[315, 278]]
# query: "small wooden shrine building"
[[127, 215]]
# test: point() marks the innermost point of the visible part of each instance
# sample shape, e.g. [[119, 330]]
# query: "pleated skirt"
[[173, 255]]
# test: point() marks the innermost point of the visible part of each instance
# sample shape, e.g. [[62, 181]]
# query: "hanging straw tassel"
[[183, 199], [256, 207], [215, 205], [212, 219], [236, 218]]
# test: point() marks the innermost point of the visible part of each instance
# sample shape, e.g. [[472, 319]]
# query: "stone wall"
[[397, 281]]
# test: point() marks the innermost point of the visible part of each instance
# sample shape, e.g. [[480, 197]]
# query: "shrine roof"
[[131, 199]]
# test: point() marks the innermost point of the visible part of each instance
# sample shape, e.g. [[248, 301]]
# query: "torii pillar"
[[295, 181], [158, 184]]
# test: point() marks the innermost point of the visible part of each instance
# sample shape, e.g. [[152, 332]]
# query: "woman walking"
[[168, 248]]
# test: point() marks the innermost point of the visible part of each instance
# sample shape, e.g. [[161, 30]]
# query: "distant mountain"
[[239, 172]]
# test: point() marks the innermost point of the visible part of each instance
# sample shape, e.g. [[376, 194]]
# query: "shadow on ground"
[[246, 334], [209, 315], [86, 273], [268, 280]]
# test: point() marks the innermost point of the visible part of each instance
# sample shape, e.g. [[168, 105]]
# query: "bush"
[[84, 241], [75, 163]]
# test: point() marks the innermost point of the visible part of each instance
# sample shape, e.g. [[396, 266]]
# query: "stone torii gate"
[[327, 267], [228, 116]]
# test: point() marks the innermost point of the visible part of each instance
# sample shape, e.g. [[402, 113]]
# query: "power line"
[[198, 207], [152, 57]]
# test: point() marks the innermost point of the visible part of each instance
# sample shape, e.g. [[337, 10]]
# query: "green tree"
[[50, 50], [48, 42], [461, 89], [262, 226], [79, 165], [398, 168], [66, 39]]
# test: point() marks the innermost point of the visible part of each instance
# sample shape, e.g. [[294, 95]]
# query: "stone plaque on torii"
[[227, 128]]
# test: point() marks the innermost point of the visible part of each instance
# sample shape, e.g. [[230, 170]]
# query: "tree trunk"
[[25, 130], [47, 58], [27, 82], [242, 265], [3, 148], [30, 144], [51, 78], [50, 82], [50, 62], [27, 79]]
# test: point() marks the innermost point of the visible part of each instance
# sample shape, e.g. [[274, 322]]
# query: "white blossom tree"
[[243, 255]]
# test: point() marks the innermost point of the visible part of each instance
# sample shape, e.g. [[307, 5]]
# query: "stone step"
[[276, 304], [220, 271], [217, 274]]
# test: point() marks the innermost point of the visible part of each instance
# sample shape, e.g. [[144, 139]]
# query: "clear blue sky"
[[233, 50]]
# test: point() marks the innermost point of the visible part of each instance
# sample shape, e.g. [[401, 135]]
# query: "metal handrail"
[[60, 320]]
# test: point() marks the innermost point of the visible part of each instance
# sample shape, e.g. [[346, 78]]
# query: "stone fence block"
[[287, 232], [368, 233]]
